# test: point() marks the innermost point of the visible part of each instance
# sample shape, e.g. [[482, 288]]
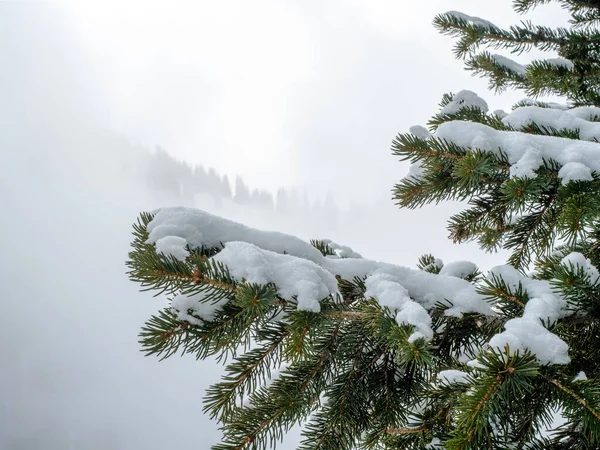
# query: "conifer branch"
[[576, 397], [380, 360]]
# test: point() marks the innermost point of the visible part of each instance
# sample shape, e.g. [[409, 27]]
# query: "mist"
[[77, 167]]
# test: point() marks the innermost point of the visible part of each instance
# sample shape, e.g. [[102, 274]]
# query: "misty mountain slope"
[[72, 373]]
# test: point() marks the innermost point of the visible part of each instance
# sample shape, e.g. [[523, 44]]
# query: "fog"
[[82, 153]]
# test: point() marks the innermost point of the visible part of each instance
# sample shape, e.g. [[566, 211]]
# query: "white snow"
[[172, 246], [420, 132], [437, 264], [527, 332], [574, 171], [407, 293], [576, 259], [298, 269], [555, 118], [291, 275], [511, 65], [511, 276], [411, 313], [416, 171], [560, 62], [425, 288], [459, 269], [553, 105], [465, 99], [581, 376], [196, 306], [586, 112], [387, 291], [475, 364], [477, 21], [525, 152], [341, 251], [452, 376], [393, 295], [435, 444], [199, 228]]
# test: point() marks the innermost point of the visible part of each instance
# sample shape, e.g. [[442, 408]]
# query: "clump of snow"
[[387, 291], [477, 21], [459, 269], [465, 99], [420, 131], [590, 113], [435, 444], [391, 293], [475, 364], [453, 376], [527, 332], [416, 171], [511, 65], [525, 152], [172, 246], [501, 113], [554, 118], [425, 288], [464, 357], [552, 105], [298, 269], [576, 259], [574, 171], [200, 228], [341, 251], [514, 218], [436, 264], [544, 302], [511, 276], [414, 314], [560, 62], [581, 376], [292, 276], [194, 306]]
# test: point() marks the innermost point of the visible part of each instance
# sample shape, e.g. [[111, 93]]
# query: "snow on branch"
[[545, 306], [527, 152], [198, 228], [510, 64], [473, 20], [464, 99], [571, 119], [301, 273], [272, 257]]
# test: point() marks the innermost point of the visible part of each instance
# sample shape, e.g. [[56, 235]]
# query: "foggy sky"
[[282, 92]]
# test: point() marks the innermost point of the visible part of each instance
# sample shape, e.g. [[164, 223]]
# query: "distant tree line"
[[170, 178]]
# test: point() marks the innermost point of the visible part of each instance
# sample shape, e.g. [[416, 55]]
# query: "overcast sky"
[[305, 94]]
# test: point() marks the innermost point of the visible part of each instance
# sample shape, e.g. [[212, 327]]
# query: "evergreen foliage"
[[352, 372]]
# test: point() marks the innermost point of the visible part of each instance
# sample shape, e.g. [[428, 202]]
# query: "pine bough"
[[372, 355]]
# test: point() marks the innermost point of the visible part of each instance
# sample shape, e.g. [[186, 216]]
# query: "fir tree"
[[371, 355]]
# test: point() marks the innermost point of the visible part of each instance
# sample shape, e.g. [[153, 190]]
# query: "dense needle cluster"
[[365, 354]]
